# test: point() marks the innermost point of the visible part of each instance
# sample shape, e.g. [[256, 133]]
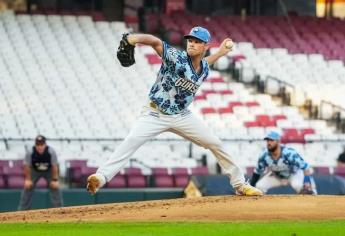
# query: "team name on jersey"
[[186, 84]]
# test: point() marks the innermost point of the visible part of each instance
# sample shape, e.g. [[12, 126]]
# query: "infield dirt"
[[220, 208]]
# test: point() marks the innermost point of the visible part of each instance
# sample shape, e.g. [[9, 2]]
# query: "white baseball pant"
[[270, 180], [151, 123]]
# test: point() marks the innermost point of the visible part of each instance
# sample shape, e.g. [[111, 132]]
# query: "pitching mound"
[[224, 208]]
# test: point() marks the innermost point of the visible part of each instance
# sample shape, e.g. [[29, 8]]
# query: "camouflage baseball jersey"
[[177, 82], [288, 163]]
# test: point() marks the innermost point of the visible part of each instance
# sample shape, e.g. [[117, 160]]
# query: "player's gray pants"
[[270, 180], [151, 123], [26, 197]]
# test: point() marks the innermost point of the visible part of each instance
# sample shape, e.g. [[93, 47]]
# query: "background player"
[[40, 162], [284, 166], [180, 76]]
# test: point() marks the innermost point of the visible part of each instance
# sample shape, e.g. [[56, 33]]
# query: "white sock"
[[102, 179]]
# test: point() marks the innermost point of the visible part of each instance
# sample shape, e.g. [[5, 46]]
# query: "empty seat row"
[[78, 171]]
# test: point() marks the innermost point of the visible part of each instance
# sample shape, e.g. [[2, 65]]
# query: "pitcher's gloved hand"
[[125, 52]]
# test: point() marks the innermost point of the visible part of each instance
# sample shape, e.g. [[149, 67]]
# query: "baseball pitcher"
[[180, 76], [284, 166]]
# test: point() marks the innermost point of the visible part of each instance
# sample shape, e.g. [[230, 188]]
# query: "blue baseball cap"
[[272, 136], [199, 33]]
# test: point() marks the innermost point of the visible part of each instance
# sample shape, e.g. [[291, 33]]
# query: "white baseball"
[[229, 44]]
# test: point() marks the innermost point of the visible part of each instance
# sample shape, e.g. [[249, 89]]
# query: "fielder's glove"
[[306, 190], [307, 185], [125, 52]]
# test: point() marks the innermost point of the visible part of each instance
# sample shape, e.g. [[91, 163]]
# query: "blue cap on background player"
[[272, 136], [199, 33]]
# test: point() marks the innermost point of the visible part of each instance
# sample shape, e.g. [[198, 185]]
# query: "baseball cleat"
[[248, 190], [94, 183]]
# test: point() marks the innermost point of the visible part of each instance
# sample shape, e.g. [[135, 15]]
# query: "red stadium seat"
[[86, 171], [136, 181], [291, 132], [223, 110], [4, 163], [133, 171], [19, 163], [208, 110], [15, 181], [180, 171], [159, 171], [249, 124], [14, 171], [74, 174], [181, 181], [119, 181], [163, 181], [278, 117], [251, 104], [200, 170], [322, 170], [215, 79], [307, 131], [226, 92], [200, 97], [2, 182], [181, 177], [233, 104], [208, 91], [42, 183], [250, 170], [153, 59], [340, 171]]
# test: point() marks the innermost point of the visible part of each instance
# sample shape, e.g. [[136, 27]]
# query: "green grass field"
[[175, 229]]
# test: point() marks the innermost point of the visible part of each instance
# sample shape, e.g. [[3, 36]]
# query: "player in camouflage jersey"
[[180, 76], [284, 166]]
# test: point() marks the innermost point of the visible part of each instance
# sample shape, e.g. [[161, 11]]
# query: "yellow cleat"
[[248, 190]]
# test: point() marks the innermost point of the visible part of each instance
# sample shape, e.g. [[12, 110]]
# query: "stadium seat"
[[136, 181], [250, 171], [42, 183], [19, 163], [322, 170], [2, 182], [74, 173], [181, 181], [14, 171], [14, 181], [181, 177], [180, 171], [133, 171], [163, 181], [340, 171], [4, 163], [159, 171], [200, 170], [119, 181]]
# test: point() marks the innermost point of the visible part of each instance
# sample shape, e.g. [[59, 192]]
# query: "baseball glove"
[[306, 189], [125, 52]]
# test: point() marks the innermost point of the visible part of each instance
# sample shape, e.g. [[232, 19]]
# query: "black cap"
[[40, 140]]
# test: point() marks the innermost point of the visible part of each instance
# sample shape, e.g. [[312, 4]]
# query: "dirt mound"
[[223, 208]]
